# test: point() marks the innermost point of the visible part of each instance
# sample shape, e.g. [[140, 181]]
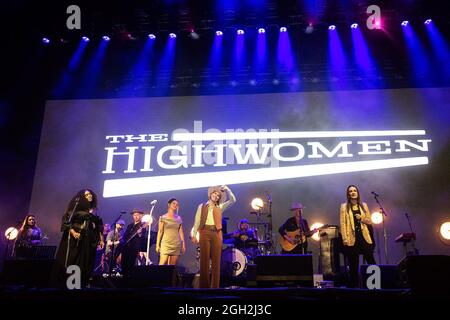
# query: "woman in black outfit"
[[82, 233]]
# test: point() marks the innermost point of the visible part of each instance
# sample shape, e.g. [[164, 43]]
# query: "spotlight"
[[317, 225], [219, 33], [309, 29], [233, 83], [405, 23], [376, 217], [332, 27], [45, 40], [444, 230], [151, 36], [261, 30], [194, 35], [257, 204], [147, 218], [354, 26], [240, 32], [85, 39], [11, 233], [252, 82], [106, 38], [294, 80], [283, 29], [275, 82], [172, 35], [428, 21], [378, 24]]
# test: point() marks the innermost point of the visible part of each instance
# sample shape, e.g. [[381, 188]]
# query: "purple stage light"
[[172, 35], [45, 40], [332, 27], [428, 21], [151, 36], [261, 30], [219, 33], [106, 38], [354, 26], [240, 32], [85, 39], [283, 29], [378, 23], [405, 23]]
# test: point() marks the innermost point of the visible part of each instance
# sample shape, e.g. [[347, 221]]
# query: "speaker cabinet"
[[284, 270], [33, 273], [389, 277], [426, 274]]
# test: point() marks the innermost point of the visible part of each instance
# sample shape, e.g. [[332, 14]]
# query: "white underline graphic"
[[134, 186], [291, 135]]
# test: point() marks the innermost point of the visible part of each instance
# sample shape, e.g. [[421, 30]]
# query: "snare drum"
[[233, 262]]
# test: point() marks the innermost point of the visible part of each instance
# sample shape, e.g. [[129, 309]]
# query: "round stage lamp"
[[197, 236], [257, 204], [316, 236], [147, 219], [11, 233], [444, 232], [376, 217]]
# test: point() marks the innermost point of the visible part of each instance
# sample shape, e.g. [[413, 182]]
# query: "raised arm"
[[231, 198]]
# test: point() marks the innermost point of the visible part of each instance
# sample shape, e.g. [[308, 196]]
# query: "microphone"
[[153, 202], [375, 194], [77, 199], [122, 212]]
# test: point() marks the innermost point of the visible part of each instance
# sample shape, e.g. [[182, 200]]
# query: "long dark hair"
[[358, 200], [83, 203], [25, 226]]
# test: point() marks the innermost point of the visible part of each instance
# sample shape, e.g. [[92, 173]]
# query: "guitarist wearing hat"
[[294, 232]]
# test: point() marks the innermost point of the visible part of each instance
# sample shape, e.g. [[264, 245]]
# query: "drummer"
[[245, 237]]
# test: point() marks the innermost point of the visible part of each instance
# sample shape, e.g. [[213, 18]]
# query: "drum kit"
[[239, 252]]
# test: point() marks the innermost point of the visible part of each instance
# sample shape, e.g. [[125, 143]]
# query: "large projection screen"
[[290, 147]]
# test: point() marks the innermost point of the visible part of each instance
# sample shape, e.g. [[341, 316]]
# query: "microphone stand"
[[147, 258], [77, 200], [112, 262], [386, 256], [415, 251], [269, 199]]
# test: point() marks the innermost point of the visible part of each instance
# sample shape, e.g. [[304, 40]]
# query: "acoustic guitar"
[[298, 237]]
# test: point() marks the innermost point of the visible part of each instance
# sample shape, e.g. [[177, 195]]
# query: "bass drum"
[[233, 262]]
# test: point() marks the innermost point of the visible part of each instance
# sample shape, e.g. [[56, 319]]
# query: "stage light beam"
[[257, 204]]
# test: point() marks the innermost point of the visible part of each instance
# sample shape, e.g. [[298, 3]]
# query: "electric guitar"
[[298, 236]]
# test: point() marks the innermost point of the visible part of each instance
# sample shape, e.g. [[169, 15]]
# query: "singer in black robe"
[[86, 233]]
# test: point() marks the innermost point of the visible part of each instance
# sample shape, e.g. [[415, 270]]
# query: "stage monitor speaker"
[[153, 276], [426, 274], [33, 273], [284, 270], [389, 277]]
